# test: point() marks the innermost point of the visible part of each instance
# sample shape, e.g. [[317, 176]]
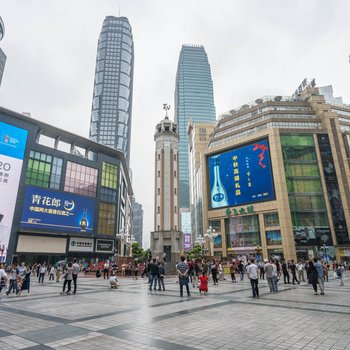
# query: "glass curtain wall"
[[306, 197]]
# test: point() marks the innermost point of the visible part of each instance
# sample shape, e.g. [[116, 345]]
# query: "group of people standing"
[[17, 277]]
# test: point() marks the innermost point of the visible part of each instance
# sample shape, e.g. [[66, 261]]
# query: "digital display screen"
[[240, 176], [59, 211]]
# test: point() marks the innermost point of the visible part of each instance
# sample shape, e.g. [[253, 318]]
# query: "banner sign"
[[13, 142], [104, 245], [58, 211], [187, 242], [77, 244]]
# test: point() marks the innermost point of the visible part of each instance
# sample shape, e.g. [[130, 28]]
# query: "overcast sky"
[[255, 48]]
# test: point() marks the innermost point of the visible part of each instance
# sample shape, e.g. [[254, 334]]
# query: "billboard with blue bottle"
[[58, 211], [240, 176]]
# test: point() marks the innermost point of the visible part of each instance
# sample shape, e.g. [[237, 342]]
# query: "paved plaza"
[[132, 317]]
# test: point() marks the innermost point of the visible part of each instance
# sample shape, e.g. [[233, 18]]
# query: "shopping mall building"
[[62, 195], [275, 178]]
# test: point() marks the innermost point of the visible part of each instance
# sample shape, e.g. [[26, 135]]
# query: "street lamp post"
[[210, 236], [200, 240], [123, 236]]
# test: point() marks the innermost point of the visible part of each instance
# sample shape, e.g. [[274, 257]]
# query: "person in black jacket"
[[154, 271], [285, 272], [312, 276]]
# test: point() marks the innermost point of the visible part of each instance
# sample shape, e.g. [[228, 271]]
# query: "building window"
[[158, 210], [174, 173], [108, 195], [109, 175], [158, 191], [273, 237], [158, 228], [158, 156], [174, 190], [81, 179], [175, 209], [271, 219], [175, 227], [44, 170], [158, 173], [106, 219], [175, 157]]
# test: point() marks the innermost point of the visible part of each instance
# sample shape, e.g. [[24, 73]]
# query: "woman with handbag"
[[26, 281]]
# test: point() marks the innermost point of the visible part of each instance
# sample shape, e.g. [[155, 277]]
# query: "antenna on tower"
[[166, 107]]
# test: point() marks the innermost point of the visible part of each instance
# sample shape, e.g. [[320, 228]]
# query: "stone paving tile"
[[15, 342]]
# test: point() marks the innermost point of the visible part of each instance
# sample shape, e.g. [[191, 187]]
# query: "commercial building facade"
[[113, 86], [277, 179], [66, 196], [194, 99]]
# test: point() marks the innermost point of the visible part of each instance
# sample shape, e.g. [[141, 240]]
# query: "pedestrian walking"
[[325, 271], [203, 287], [75, 273], [25, 283], [252, 271], [52, 273], [232, 272], [214, 272], [42, 270], [269, 275], [312, 276], [106, 270], [320, 277], [3, 278], [261, 266], [241, 269], [339, 269], [161, 276], [154, 272], [12, 276], [275, 278], [182, 270], [300, 269], [285, 272], [293, 269], [68, 277]]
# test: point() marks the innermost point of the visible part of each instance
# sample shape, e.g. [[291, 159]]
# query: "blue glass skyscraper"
[[194, 99], [113, 87]]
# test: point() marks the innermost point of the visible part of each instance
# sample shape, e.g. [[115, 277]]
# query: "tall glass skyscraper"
[[112, 97], [194, 99]]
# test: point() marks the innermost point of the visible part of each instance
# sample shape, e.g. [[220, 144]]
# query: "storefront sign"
[[187, 242], [104, 245], [52, 210], [13, 142], [77, 244], [240, 211]]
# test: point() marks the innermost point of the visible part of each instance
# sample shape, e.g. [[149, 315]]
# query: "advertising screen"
[[52, 210], [13, 142], [240, 176]]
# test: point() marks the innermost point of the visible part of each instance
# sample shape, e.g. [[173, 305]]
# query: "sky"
[[255, 48]]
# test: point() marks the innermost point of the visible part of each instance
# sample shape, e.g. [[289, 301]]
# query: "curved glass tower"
[[194, 99], [112, 98]]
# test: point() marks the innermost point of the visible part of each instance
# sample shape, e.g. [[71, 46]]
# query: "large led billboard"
[[13, 142], [58, 211], [240, 176]]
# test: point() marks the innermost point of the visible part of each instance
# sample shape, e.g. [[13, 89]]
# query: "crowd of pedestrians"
[[16, 279]]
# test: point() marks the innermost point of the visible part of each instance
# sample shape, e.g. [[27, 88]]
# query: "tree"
[[195, 253], [137, 251]]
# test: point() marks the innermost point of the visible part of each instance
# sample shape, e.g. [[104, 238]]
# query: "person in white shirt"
[[76, 270], [3, 278], [113, 281], [52, 273], [42, 271], [252, 271]]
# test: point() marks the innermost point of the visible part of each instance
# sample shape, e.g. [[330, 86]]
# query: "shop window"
[[44, 170], [244, 231], [106, 219], [81, 179]]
